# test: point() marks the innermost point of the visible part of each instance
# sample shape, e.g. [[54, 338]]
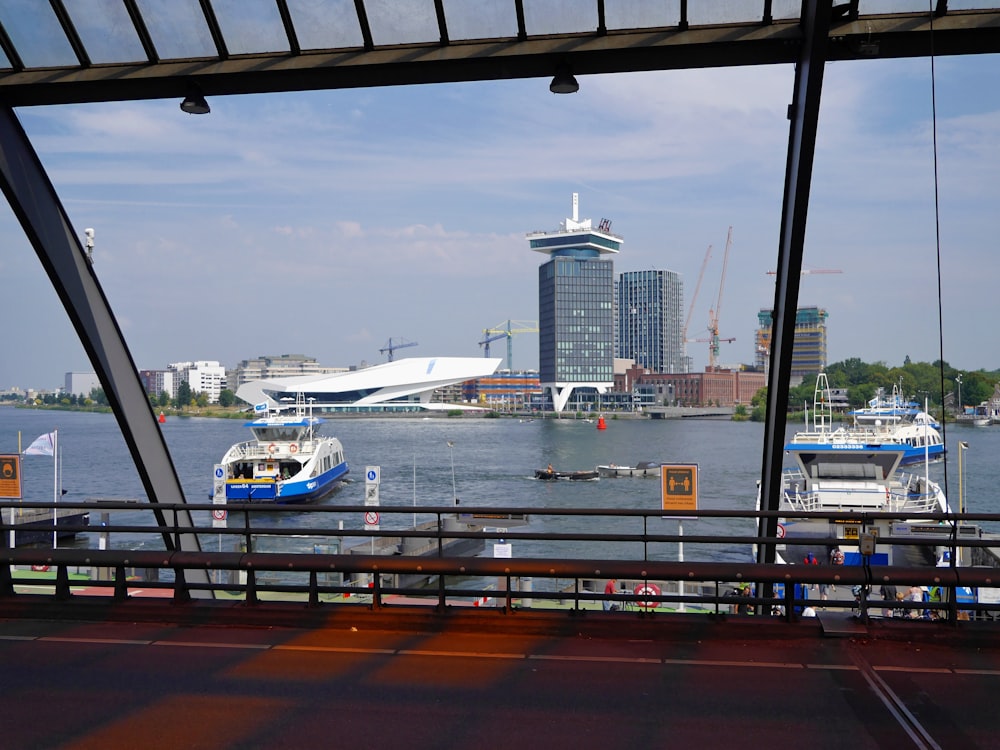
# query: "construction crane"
[[713, 314], [507, 329], [807, 271], [391, 347], [701, 275]]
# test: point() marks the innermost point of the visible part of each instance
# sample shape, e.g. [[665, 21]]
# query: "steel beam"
[[37, 206], [804, 115], [757, 43]]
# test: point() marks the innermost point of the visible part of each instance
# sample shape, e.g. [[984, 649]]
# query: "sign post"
[[10, 485], [679, 491], [373, 477]]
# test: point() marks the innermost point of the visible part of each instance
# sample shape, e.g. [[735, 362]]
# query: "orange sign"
[[679, 486], [10, 477]]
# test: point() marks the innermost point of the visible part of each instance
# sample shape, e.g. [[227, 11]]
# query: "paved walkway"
[[369, 680]]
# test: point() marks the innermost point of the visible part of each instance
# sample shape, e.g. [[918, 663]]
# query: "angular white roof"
[[380, 383]]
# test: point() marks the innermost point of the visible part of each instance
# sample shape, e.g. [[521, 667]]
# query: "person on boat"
[[609, 590], [889, 592], [550, 469]]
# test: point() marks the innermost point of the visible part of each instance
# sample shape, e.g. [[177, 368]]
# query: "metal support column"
[[804, 115], [35, 203]]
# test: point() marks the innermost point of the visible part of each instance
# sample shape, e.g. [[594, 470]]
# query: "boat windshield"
[[276, 433], [849, 464]]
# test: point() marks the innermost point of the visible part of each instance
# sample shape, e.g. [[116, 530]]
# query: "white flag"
[[44, 445], [258, 408]]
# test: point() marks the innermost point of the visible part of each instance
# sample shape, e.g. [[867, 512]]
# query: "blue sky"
[[325, 223]]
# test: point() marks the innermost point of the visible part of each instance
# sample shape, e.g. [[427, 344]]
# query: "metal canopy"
[[70, 51]]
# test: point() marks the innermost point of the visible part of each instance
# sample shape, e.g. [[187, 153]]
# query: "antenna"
[[89, 244]]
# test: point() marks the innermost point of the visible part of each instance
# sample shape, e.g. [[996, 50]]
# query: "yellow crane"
[[507, 329], [713, 314]]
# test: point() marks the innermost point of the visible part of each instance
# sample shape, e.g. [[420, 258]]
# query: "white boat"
[[839, 471], [916, 434], [286, 462], [887, 409], [641, 469]]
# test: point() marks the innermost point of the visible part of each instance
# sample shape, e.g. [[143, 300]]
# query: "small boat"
[[286, 462], [641, 469], [552, 474]]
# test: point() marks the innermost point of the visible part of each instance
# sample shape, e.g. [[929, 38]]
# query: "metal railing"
[[279, 553]]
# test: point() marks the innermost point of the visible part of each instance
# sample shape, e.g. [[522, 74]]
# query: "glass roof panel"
[[402, 21], [641, 14], [785, 9], [4, 61], [480, 20], [178, 28], [872, 7], [107, 32], [559, 16], [36, 34], [706, 12], [326, 24], [251, 26]]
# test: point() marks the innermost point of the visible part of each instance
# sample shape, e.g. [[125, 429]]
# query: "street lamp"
[[454, 494], [958, 379]]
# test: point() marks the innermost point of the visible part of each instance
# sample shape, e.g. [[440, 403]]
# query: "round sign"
[[781, 531], [371, 518], [219, 473], [219, 514], [372, 475], [647, 589]]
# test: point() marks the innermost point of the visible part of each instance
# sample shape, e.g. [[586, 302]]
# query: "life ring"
[[272, 448], [293, 448], [647, 589], [40, 568]]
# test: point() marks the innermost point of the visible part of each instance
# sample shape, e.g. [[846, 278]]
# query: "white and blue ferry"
[[916, 435], [287, 461]]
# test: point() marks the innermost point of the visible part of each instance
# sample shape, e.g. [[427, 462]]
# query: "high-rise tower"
[[575, 307], [649, 320]]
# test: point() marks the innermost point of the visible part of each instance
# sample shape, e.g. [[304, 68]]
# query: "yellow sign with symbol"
[[10, 477], [679, 486]]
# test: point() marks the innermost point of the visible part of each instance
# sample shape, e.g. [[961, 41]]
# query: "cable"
[[937, 242]]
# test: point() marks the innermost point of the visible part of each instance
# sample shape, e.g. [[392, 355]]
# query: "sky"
[[328, 223]]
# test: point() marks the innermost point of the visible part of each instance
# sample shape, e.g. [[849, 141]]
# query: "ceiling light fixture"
[[194, 103], [564, 82]]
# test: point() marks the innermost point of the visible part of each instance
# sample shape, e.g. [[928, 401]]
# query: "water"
[[494, 462]]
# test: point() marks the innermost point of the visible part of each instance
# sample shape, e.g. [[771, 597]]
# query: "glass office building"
[[576, 307], [649, 320]]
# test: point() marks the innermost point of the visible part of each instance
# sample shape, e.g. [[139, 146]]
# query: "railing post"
[[121, 585], [6, 581], [182, 594], [62, 583], [251, 590], [442, 602], [376, 590], [313, 590], [510, 602]]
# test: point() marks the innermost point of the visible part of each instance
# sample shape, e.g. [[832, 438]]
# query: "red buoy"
[[600, 423], [162, 418]]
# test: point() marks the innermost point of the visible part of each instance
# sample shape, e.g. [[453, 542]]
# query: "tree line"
[[916, 381]]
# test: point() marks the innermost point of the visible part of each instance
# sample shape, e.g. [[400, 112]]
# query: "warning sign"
[[679, 486], [10, 477]]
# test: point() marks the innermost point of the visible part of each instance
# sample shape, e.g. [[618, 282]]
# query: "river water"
[[493, 460]]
